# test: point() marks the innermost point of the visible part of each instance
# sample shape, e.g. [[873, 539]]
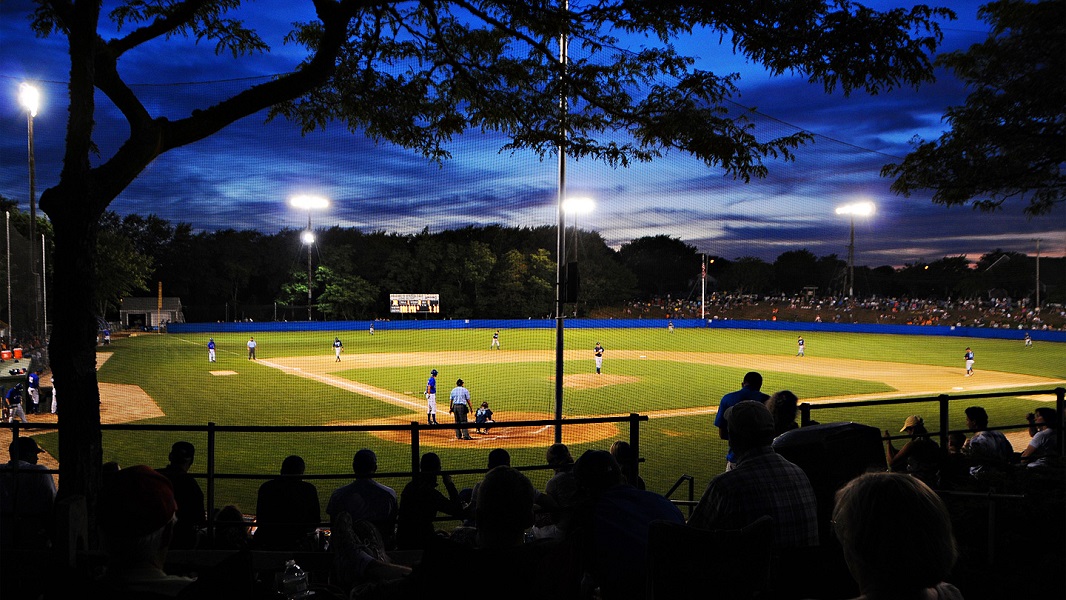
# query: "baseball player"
[[251, 348], [969, 361], [211, 350], [800, 346], [338, 347], [34, 385], [431, 397], [1028, 341], [598, 353], [495, 340]]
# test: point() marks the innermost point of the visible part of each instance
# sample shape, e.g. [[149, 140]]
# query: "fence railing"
[[944, 415]]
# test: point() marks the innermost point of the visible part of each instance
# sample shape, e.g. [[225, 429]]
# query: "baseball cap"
[[182, 450], [458, 382], [26, 446], [137, 501], [750, 418], [433, 372], [911, 422]]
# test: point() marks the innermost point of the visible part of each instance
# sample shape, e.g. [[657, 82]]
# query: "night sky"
[[241, 177]]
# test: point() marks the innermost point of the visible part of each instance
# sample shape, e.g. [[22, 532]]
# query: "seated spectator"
[[763, 483], [783, 406], [629, 461], [27, 497], [361, 565], [499, 562], [497, 457], [367, 500], [920, 456], [611, 526], [138, 514], [956, 442], [287, 511], [192, 516], [231, 530], [553, 508], [897, 538], [986, 449], [420, 501], [1043, 427]]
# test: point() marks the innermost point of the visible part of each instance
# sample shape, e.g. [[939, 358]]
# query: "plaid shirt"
[[763, 483]]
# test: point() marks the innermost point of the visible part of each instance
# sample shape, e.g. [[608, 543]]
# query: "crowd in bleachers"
[[995, 313], [764, 528]]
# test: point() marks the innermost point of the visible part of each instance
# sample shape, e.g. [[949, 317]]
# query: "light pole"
[[30, 99], [1037, 240], [308, 203], [862, 209]]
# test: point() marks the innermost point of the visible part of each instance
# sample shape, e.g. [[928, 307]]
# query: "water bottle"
[[294, 582]]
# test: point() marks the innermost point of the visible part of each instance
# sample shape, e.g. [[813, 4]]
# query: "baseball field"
[[676, 378]]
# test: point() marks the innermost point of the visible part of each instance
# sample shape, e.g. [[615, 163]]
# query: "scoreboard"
[[414, 303]]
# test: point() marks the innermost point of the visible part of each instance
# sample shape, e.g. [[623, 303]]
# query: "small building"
[[140, 313]]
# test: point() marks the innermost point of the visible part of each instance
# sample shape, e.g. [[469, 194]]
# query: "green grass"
[[173, 370]]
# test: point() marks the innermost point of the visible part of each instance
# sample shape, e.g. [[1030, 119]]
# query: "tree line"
[[489, 271]]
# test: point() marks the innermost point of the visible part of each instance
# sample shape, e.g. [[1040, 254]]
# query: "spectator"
[[763, 483], [192, 517], [500, 562], [920, 456], [497, 457], [897, 538], [749, 390], [611, 528], [287, 510], [985, 448], [554, 506], [420, 501], [361, 561], [367, 500], [783, 407], [27, 496], [231, 529], [629, 461], [137, 519], [1043, 427]]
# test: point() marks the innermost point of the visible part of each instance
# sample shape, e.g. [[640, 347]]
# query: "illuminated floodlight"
[[578, 206], [309, 202], [29, 98], [857, 209], [307, 237]]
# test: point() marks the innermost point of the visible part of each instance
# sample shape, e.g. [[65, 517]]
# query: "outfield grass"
[[173, 370]]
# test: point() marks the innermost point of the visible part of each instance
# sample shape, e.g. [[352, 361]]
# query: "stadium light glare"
[[30, 99], [861, 209], [309, 203], [579, 206]]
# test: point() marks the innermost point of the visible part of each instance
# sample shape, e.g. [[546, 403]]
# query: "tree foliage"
[[1008, 141], [416, 74]]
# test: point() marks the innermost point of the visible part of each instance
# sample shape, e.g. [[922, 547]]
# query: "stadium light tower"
[[577, 206], [862, 209], [308, 203], [30, 99]]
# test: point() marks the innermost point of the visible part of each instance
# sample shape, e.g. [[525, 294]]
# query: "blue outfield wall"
[[405, 325]]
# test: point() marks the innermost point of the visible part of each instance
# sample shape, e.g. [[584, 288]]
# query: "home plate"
[[219, 373]]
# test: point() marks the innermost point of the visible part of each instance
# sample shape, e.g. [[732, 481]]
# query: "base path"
[[907, 379]]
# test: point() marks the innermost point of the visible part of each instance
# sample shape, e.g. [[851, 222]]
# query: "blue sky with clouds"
[[241, 177]]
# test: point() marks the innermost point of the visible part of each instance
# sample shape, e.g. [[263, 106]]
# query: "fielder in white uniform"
[[969, 362], [337, 348], [598, 352]]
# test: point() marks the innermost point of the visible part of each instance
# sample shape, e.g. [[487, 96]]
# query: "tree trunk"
[[72, 350]]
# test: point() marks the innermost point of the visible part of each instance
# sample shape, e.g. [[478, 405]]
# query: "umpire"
[[461, 408]]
